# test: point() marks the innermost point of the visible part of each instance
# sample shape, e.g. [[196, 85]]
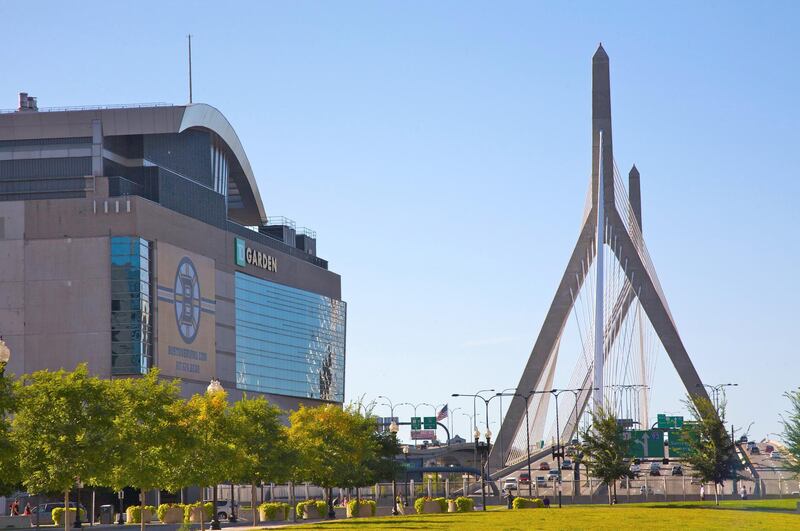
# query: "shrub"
[[58, 515], [310, 506], [273, 509], [354, 506], [162, 509], [135, 513], [208, 510], [464, 504], [528, 503], [419, 504]]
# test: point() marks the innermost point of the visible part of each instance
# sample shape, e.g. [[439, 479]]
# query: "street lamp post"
[[558, 452], [715, 391], [483, 448], [405, 455], [393, 429], [474, 413], [214, 387]]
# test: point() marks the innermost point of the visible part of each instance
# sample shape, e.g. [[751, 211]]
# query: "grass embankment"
[[755, 514]]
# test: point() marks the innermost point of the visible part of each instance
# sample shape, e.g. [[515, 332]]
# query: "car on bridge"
[[566, 465], [541, 481], [655, 469], [677, 470], [544, 466], [552, 475], [510, 484], [775, 455], [754, 450], [636, 469], [524, 478]]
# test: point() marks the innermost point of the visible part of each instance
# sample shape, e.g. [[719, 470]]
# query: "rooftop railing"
[[89, 107]]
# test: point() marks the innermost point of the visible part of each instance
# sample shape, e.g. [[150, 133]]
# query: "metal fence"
[[643, 489]]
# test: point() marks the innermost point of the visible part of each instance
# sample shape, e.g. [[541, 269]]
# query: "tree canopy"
[[711, 450], [791, 429], [605, 449], [63, 429]]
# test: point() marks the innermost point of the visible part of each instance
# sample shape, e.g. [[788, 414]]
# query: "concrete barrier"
[[15, 522]]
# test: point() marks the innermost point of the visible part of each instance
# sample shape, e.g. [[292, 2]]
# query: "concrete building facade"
[[136, 237]]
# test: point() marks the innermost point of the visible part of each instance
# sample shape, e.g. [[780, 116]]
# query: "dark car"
[[566, 465], [754, 450], [544, 466], [677, 470], [655, 469], [769, 448]]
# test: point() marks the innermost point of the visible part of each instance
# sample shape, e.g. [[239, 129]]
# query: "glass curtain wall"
[[131, 324], [289, 341]]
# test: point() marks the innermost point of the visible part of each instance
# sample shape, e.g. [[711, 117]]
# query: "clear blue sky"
[[441, 151]]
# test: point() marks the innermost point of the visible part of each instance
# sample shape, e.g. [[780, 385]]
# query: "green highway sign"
[[645, 443], [429, 423], [416, 423], [666, 422], [678, 446]]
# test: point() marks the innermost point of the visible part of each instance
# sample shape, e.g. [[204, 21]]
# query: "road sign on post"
[[416, 423], [429, 423], [666, 422]]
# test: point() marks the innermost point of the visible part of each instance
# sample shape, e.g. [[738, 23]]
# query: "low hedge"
[[273, 509], [135, 513], [309, 507], [464, 504], [419, 504], [208, 510], [164, 507], [58, 515], [354, 506], [527, 503]]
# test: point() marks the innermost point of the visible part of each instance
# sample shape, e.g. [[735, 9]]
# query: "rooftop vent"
[[27, 103]]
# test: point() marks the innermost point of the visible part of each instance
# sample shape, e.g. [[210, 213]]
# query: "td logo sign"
[[240, 252]]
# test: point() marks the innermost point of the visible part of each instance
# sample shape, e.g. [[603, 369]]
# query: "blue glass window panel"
[[289, 341]]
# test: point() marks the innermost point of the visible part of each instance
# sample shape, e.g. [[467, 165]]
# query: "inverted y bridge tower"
[[611, 287]]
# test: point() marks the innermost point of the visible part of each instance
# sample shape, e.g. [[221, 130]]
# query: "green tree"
[[384, 467], [605, 450], [335, 447], [791, 429], [710, 448], [213, 452], [149, 439], [261, 442], [63, 430]]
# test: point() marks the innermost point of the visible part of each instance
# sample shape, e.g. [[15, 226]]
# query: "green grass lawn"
[[755, 514]]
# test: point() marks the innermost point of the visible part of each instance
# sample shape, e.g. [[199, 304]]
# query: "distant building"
[[135, 237]]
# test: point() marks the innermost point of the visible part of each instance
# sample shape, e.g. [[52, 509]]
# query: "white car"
[[775, 455], [636, 469], [510, 484]]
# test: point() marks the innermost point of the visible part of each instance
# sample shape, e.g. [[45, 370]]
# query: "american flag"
[[442, 413]]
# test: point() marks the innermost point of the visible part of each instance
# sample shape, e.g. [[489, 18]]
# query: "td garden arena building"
[[136, 237]]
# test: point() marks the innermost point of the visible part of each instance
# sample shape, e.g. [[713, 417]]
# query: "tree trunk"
[[608, 488], [716, 493], [66, 510], [253, 502], [141, 506]]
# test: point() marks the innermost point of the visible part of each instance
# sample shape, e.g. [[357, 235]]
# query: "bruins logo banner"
[[185, 314]]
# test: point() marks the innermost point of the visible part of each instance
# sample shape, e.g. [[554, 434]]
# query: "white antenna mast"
[[190, 67]]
